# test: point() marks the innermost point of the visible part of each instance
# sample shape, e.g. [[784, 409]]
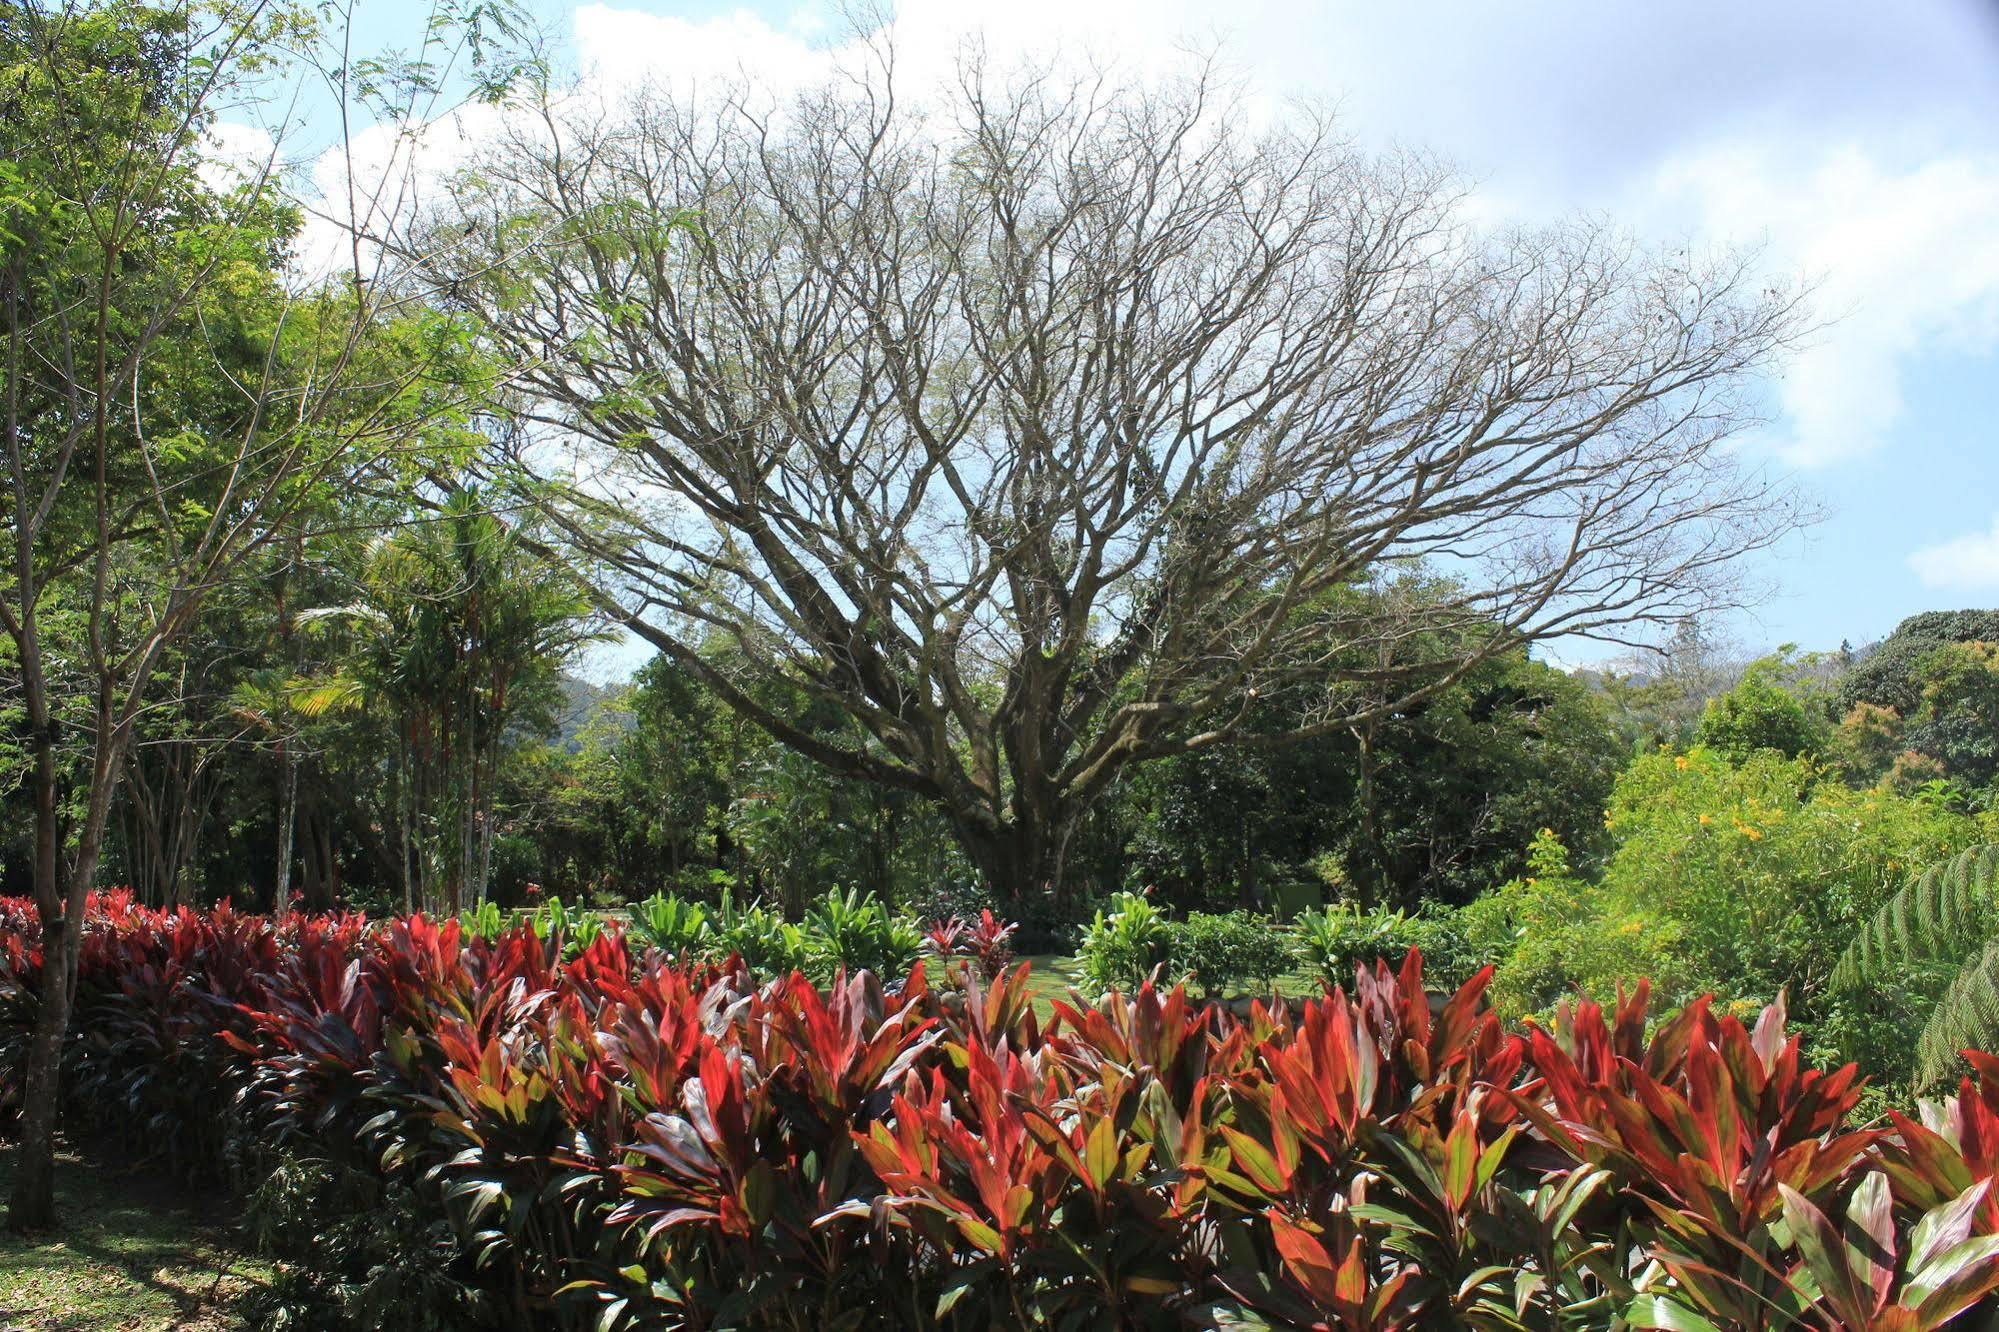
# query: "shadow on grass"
[[132, 1250]]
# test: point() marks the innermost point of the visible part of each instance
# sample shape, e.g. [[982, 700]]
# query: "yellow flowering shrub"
[[1736, 879]]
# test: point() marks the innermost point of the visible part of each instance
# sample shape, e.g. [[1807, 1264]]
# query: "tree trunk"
[[33, 1205], [60, 900], [1022, 862], [281, 895]]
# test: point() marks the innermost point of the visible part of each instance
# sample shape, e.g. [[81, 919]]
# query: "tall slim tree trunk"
[[33, 1205], [60, 900], [281, 895]]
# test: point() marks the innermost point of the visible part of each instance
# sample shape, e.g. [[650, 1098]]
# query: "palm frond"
[[1944, 917], [322, 615], [1966, 1018], [316, 698]]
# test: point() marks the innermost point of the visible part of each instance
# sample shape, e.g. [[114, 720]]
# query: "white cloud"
[[232, 152], [1906, 261], [1968, 562]]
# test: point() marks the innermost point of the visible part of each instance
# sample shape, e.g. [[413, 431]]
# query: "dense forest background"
[[411, 704]]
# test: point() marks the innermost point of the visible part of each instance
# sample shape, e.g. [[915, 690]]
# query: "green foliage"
[[768, 944], [1935, 946], [484, 921], [1957, 722], [571, 928], [1437, 803], [362, 1251], [1890, 674], [1740, 880], [856, 931], [673, 925], [1762, 713], [1123, 943], [457, 640], [1226, 953], [1337, 940]]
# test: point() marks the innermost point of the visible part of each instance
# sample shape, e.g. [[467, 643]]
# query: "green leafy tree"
[[172, 405], [1889, 673], [1762, 712], [458, 636], [1739, 880], [1439, 802]]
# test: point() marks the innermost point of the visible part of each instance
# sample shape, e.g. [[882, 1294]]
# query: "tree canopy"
[[1023, 426]]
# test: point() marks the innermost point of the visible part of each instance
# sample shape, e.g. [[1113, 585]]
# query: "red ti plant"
[[943, 937], [986, 942], [990, 943], [1706, 1128]]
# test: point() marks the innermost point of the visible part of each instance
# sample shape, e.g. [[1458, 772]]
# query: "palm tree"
[[457, 631]]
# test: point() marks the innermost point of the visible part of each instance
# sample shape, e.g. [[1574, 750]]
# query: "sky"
[[1853, 142]]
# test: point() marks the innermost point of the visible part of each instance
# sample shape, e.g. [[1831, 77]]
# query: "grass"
[[135, 1251], [1050, 979]]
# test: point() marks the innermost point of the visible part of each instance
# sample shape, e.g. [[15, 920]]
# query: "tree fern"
[[1965, 1018], [1941, 931]]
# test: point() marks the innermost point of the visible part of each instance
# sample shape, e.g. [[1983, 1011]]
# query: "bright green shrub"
[[673, 925], [1737, 880], [1122, 944], [1334, 941], [574, 927], [768, 944], [1227, 952], [483, 921], [856, 931], [1761, 713]]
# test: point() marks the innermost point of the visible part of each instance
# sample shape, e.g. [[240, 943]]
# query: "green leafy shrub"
[[573, 928], [1123, 942], [856, 931], [1761, 713], [1334, 941], [358, 1251], [1740, 880], [768, 944], [1226, 953], [673, 925], [483, 921]]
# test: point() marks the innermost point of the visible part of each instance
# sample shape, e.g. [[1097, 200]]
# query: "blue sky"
[[1855, 142]]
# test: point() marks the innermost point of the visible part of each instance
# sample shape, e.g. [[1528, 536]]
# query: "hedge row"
[[612, 1140]]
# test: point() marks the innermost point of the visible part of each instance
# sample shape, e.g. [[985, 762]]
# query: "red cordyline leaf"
[[1166, 1038], [1706, 1117], [969, 1154], [1333, 1272], [944, 936], [842, 1048]]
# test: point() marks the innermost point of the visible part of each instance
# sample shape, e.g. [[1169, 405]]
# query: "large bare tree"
[[1046, 423]]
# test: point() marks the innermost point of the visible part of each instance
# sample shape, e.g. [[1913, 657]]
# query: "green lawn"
[[136, 1251], [1049, 980]]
